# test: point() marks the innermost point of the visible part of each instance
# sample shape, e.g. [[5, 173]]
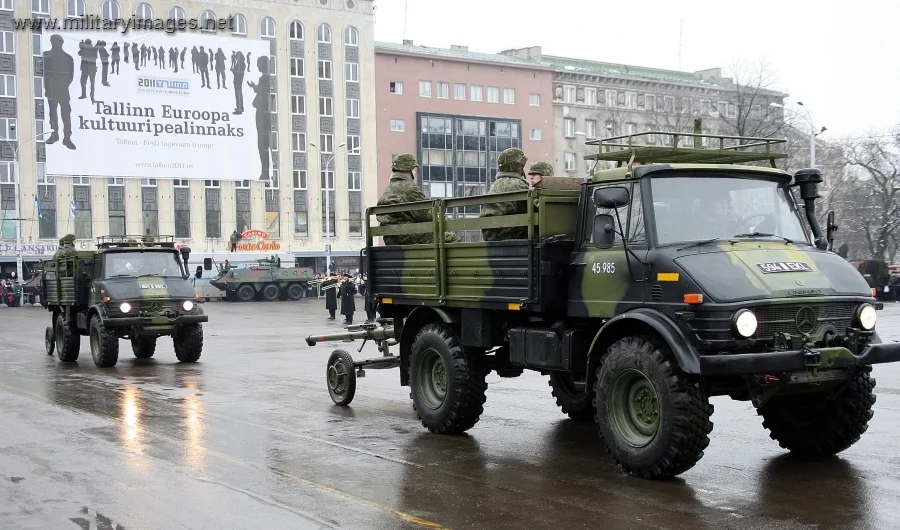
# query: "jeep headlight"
[[866, 317], [187, 305], [745, 323], [125, 307]]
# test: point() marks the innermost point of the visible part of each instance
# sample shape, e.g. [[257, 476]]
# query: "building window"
[[351, 36], [509, 96], [273, 102], [590, 96], [590, 129], [297, 67], [8, 129], [351, 72], [176, 14], [38, 87], [208, 22], [267, 28], [732, 110], [81, 196], [568, 94], [149, 207], [8, 85], [570, 161], [352, 143], [298, 104], [630, 100], [668, 103], [353, 108], [323, 35], [398, 126], [326, 143], [295, 31], [298, 142], [242, 207], [476, 93], [425, 89], [354, 223], [6, 5], [569, 124], [182, 209], [534, 100], [40, 7], [273, 208], [324, 70], [704, 107], [300, 179], [535, 134], [7, 42], [493, 94], [459, 91], [397, 88], [630, 128], [36, 44], [610, 98], [354, 180], [240, 25], [273, 65], [443, 90], [325, 106], [115, 193], [75, 8], [650, 102]]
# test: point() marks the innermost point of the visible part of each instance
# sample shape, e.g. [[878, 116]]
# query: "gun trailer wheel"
[[49, 340], [341, 377]]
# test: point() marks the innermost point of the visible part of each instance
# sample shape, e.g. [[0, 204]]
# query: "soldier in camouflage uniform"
[[511, 177], [66, 246], [539, 170], [402, 189]]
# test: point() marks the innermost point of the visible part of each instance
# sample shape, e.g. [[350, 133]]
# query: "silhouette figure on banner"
[[220, 68], [125, 52], [203, 64], [104, 64], [114, 66], [182, 56], [88, 53], [59, 72], [212, 59], [263, 91], [135, 54], [237, 73], [162, 58]]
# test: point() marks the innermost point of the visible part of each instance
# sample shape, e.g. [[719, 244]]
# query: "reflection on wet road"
[[248, 438]]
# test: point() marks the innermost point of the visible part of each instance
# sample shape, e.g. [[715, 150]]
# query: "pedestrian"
[[348, 305], [330, 296]]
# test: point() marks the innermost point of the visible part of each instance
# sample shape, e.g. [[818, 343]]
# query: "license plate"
[[784, 266]]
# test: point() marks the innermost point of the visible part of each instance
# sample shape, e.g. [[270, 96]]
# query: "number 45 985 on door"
[[603, 268]]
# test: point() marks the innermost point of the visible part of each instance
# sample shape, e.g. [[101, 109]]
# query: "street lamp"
[[19, 207], [326, 165], [812, 136]]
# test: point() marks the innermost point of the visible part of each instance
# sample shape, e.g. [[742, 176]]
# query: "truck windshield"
[[695, 208], [141, 264]]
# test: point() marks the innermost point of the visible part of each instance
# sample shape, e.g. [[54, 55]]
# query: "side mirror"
[[830, 229], [207, 264], [199, 273], [604, 230], [614, 197]]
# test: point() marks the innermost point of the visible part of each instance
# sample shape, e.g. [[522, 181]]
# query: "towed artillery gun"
[[642, 293]]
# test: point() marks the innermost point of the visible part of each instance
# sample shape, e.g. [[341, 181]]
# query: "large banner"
[[154, 104]]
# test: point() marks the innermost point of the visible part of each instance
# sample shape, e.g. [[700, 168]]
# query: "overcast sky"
[[842, 60]]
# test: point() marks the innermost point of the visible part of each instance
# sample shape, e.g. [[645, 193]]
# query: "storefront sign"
[[261, 243], [28, 249]]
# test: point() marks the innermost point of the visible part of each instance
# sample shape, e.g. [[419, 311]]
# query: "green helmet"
[[404, 162], [541, 168], [512, 159], [68, 239]]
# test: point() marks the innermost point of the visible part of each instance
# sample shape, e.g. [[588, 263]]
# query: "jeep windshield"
[[135, 264], [697, 208]]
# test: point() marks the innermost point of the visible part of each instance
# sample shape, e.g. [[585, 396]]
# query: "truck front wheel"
[[104, 345], [447, 382], [820, 423], [188, 343], [653, 419]]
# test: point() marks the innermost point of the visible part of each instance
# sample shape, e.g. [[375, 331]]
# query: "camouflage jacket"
[[506, 182], [403, 189]]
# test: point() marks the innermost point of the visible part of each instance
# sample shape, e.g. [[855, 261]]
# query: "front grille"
[[715, 326]]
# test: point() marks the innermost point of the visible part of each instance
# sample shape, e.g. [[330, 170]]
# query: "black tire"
[[652, 418], [571, 397], [104, 345], [188, 343], [68, 341], [246, 293], [462, 376], [819, 424], [341, 377], [270, 292], [144, 347], [296, 292], [49, 340]]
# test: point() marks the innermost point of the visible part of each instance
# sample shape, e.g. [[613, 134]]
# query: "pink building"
[[456, 111]]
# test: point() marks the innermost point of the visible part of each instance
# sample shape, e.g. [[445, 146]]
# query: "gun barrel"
[[367, 334]]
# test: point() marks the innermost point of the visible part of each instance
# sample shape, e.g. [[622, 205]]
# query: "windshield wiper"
[[763, 234], [698, 243], [120, 276]]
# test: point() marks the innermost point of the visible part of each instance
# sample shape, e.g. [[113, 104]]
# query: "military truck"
[[130, 287], [641, 297], [263, 281]]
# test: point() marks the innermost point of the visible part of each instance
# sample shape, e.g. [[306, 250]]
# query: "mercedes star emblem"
[[155, 307], [805, 320]]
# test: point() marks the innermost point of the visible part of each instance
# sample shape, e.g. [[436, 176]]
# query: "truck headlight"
[[187, 305], [125, 307], [745, 323], [866, 317]]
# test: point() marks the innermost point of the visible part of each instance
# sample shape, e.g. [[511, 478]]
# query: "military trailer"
[[641, 297], [128, 288], [262, 281]]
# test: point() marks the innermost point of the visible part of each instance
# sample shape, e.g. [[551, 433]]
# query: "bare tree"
[[673, 113], [752, 106]]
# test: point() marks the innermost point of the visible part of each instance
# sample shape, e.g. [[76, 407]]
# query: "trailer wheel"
[[49, 340], [447, 381], [295, 291], [270, 292], [341, 377], [246, 293]]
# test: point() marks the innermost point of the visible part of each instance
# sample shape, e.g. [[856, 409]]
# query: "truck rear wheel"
[[188, 343], [104, 345], [447, 382], [68, 341], [270, 292], [571, 397], [653, 419], [822, 424], [246, 293], [49, 340], [296, 291], [143, 347]]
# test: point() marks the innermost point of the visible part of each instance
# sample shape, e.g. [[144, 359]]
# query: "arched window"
[[111, 10], [267, 28], [75, 8], [324, 34], [143, 11], [208, 22], [296, 31], [240, 25], [176, 14], [351, 36]]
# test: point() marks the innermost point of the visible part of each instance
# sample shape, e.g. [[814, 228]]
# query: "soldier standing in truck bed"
[[510, 177]]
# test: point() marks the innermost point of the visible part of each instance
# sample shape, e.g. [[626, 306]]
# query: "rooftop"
[[459, 53]]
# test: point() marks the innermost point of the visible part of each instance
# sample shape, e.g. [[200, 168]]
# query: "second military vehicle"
[[265, 281], [130, 287], [650, 289]]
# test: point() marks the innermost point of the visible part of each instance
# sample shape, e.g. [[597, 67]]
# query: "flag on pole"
[[37, 206], [72, 207]]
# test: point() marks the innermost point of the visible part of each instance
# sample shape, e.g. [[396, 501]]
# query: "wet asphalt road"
[[248, 438]]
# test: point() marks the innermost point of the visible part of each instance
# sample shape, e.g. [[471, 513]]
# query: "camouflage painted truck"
[[125, 289], [263, 281], [642, 297]]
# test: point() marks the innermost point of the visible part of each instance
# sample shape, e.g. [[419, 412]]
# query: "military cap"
[[404, 162], [541, 168], [68, 239], [512, 159]]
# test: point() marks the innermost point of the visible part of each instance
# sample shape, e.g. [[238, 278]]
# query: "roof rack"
[[630, 148], [130, 241]]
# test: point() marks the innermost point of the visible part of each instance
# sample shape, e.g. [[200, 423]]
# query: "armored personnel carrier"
[[264, 281]]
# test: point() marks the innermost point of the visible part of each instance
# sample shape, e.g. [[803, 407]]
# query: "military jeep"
[[130, 287]]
